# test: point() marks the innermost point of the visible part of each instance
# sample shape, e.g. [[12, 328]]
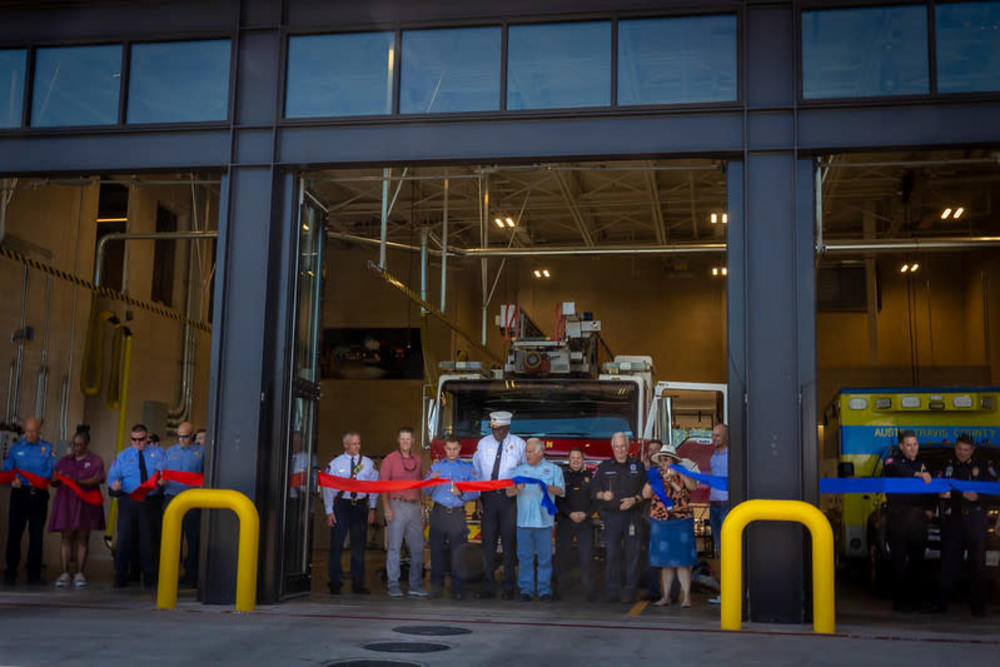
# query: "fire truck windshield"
[[542, 408]]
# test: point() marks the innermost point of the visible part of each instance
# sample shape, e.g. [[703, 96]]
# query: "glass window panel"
[[865, 52], [677, 60], [76, 85], [179, 82], [559, 65], [12, 63], [340, 75], [968, 46], [450, 70]]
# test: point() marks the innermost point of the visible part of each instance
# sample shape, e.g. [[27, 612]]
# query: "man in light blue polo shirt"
[[186, 456], [534, 523]]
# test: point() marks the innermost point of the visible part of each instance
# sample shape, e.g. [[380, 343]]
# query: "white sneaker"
[[79, 580], [716, 600], [63, 581]]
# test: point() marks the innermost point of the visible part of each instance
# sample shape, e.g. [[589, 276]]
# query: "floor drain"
[[406, 647], [431, 630], [372, 663]]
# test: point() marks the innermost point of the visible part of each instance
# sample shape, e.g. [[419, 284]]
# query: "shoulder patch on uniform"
[[889, 461]]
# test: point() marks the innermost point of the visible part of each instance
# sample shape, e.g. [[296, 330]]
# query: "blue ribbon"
[[903, 485], [547, 503], [659, 488], [716, 481]]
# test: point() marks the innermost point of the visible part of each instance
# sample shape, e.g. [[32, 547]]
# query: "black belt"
[[449, 510], [352, 501], [30, 490]]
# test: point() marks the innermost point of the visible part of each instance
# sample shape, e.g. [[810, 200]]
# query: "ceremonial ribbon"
[[485, 485], [903, 485], [189, 478], [715, 481], [141, 491], [8, 476], [297, 479], [659, 488], [89, 496], [547, 503]]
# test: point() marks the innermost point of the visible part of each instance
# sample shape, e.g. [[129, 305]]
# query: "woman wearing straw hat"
[[671, 535]]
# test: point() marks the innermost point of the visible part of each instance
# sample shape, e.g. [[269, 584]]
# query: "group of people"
[[82, 472], [963, 516], [639, 514]]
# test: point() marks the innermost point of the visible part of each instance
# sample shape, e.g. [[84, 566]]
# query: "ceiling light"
[[510, 221], [725, 218], [945, 213], [914, 267], [545, 272], [904, 268], [725, 271], [538, 274], [715, 270], [714, 218], [958, 212], [499, 223]]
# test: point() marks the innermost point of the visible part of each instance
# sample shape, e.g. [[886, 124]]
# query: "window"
[[179, 82], [559, 65], [677, 60], [968, 46], [12, 62], [76, 85], [164, 254], [340, 75], [867, 52], [450, 70]]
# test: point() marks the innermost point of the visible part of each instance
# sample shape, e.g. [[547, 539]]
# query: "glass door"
[[301, 495]]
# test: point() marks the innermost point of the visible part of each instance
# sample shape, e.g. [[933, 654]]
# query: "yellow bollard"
[[170, 544], [824, 613]]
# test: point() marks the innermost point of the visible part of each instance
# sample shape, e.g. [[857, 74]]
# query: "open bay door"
[[301, 465]]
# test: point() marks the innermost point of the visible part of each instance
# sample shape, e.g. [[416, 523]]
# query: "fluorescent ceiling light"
[[499, 223], [958, 212], [945, 213]]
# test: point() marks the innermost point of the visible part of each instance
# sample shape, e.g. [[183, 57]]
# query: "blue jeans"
[[532, 542], [716, 515]]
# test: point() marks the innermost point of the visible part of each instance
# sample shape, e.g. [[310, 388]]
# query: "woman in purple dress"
[[71, 516]]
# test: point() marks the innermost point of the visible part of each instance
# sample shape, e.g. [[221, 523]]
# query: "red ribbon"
[[189, 478], [382, 486], [297, 479], [145, 488], [8, 476], [485, 485], [89, 496]]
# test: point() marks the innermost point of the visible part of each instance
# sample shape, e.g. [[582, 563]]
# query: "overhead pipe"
[[995, 159], [139, 236], [941, 244]]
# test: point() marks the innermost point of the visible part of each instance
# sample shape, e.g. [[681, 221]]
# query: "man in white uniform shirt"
[[496, 457], [349, 512]]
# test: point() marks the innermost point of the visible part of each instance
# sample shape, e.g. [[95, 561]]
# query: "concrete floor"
[[101, 626]]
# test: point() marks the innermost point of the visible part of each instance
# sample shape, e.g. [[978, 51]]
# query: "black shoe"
[[360, 590], [9, 580], [524, 597], [545, 598], [485, 595], [334, 590], [629, 599], [508, 595], [119, 583], [36, 581]]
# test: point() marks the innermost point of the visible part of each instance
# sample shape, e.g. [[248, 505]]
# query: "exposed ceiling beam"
[[583, 224], [654, 204]]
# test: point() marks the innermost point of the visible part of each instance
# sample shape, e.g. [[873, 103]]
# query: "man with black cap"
[[496, 456]]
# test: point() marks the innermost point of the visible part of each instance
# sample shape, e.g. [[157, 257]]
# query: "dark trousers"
[[567, 531], [191, 532], [964, 531], [906, 532], [138, 524], [28, 507], [499, 522], [650, 575], [448, 535], [352, 518], [622, 546]]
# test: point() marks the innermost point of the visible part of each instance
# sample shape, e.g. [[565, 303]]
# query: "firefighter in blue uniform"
[[964, 528], [28, 505], [906, 525]]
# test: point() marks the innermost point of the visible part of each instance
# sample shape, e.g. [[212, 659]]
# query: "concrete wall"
[[62, 220]]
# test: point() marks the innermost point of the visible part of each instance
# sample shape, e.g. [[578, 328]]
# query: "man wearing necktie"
[[138, 520], [349, 513], [496, 456]]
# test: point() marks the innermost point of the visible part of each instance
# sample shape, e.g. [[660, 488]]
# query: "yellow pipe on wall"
[[92, 365], [126, 368], [170, 543], [824, 607]]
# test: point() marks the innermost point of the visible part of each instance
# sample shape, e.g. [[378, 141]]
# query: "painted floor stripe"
[[638, 608]]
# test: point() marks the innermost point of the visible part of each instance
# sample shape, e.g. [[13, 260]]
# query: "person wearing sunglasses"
[[138, 519], [186, 456]]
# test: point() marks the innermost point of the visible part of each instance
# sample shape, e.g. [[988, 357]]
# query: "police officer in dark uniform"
[[575, 510], [964, 528], [617, 485], [906, 525]]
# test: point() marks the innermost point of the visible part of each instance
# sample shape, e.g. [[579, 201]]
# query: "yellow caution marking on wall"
[[154, 308]]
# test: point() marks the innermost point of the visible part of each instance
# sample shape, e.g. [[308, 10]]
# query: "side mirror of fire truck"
[[431, 410]]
